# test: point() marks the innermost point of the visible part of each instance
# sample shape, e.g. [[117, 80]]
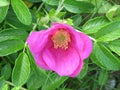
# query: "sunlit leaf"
[[109, 32], [21, 70], [10, 46], [112, 11], [78, 6], [3, 12], [5, 87], [105, 57], [22, 12], [51, 2], [93, 25], [4, 3], [9, 34], [16, 88]]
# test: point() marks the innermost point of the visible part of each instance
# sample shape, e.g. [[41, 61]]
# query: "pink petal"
[[87, 46], [79, 68], [64, 62], [81, 41], [75, 36], [67, 62], [36, 41]]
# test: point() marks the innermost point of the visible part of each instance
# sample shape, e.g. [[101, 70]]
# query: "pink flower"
[[61, 48]]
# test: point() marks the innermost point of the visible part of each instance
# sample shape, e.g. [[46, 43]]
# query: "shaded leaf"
[[6, 71], [37, 75], [115, 46], [55, 83], [35, 1], [77, 20], [103, 77], [84, 70]]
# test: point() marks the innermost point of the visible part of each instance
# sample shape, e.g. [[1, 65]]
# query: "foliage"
[[100, 19]]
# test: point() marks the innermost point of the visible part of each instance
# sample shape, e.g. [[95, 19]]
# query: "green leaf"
[[51, 2], [5, 87], [4, 3], [9, 34], [42, 79], [2, 82], [37, 75], [78, 6], [96, 61], [93, 25], [112, 11], [35, 1], [16, 88], [15, 23], [53, 16], [103, 77], [6, 71], [55, 83], [109, 33], [33, 78], [105, 57], [76, 19], [84, 70], [10, 46], [104, 7], [69, 21], [3, 12], [21, 70], [115, 46], [22, 12]]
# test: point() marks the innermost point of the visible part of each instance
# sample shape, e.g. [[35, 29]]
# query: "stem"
[[9, 83], [39, 8], [60, 7], [48, 78], [35, 25], [93, 39], [24, 46], [11, 25]]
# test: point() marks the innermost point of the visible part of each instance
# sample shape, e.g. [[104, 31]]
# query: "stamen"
[[61, 39]]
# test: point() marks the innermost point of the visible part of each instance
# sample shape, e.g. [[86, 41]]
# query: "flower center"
[[61, 39]]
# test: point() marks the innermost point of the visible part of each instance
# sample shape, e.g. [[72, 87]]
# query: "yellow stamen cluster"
[[61, 39]]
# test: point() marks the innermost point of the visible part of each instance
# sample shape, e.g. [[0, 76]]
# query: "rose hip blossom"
[[61, 48]]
